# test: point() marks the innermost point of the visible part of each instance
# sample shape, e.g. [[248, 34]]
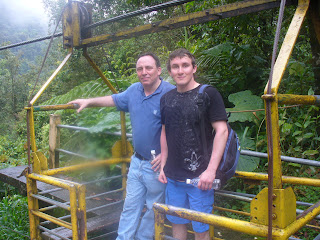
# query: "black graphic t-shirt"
[[180, 115]]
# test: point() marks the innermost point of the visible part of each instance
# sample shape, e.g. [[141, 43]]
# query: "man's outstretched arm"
[[106, 101]]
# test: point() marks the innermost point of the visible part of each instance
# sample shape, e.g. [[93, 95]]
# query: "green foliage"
[[245, 101], [14, 218], [12, 152], [299, 135], [229, 64]]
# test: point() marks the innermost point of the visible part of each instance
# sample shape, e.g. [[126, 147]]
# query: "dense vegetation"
[[233, 55]]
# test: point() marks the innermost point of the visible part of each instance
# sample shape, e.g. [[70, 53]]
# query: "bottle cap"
[[188, 181], [153, 152]]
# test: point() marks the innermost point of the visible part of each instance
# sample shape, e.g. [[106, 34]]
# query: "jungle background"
[[234, 55]]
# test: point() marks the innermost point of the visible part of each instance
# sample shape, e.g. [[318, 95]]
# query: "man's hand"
[[162, 177], [156, 163], [83, 103], [206, 180]]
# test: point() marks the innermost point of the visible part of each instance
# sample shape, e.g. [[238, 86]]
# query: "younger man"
[[182, 154]]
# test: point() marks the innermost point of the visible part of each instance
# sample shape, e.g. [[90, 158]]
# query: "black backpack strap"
[[201, 107]]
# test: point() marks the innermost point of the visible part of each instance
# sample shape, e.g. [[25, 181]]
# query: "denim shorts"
[[180, 194]]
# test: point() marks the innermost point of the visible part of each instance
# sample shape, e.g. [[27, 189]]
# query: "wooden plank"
[[99, 224], [10, 176]]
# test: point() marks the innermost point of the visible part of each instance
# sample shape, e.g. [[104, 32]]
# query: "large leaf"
[[245, 101], [247, 163]]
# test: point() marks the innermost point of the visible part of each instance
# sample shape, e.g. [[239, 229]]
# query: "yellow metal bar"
[[44, 87], [124, 149], [53, 181], [299, 223], [277, 171], [82, 214], [71, 25], [124, 179], [298, 99], [54, 107], [52, 219], [159, 225], [74, 218], [31, 129], [229, 10], [33, 205], [233, 224], [231, 210], [288, 45], [85, 165], [285, 179], [95, 67]]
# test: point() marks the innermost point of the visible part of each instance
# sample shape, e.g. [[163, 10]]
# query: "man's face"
[[147, 70], [182, 70]]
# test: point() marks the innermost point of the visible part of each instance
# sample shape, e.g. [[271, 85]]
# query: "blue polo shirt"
[[144, 114]]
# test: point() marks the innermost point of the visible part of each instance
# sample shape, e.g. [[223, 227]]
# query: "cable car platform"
[[103, 208]]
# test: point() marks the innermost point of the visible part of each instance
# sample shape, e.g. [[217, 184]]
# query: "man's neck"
[[148, 90], [185, 88]]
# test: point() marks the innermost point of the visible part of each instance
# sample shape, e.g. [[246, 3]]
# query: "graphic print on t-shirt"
[[194, 164]]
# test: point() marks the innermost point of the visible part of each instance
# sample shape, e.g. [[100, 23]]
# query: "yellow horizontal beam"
[[233, 224], [231, 210], [53, 181], [86, 165], [225, 11], [54, 107], [52, 219], [285, 179], [301, 222], [298, 99]]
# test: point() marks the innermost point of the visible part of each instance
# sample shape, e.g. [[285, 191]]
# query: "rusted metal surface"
[[232, 224], [55, 107], [298, 99]]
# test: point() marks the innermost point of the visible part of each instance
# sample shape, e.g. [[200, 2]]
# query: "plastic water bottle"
[[153, 154], [215, 185]]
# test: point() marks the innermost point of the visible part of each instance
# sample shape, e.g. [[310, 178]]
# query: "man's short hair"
[[181, 52], [155, 57]]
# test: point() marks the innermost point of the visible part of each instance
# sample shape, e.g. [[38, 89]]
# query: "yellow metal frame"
[[40, 172], [284, 222]]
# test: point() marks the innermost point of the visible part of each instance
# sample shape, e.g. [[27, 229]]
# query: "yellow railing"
[[285, 222], [283, 212]]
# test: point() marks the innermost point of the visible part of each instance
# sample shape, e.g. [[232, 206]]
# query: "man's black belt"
[[140, 157]]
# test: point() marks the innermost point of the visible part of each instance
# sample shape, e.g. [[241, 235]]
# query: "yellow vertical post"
[[71, 25], [31, 128], [275, 132], [73, 210], [54, 139], [82, 215], [159, 225], [124, 153], [33, 205]]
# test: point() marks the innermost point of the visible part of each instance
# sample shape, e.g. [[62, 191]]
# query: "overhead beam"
[[221, 12]]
